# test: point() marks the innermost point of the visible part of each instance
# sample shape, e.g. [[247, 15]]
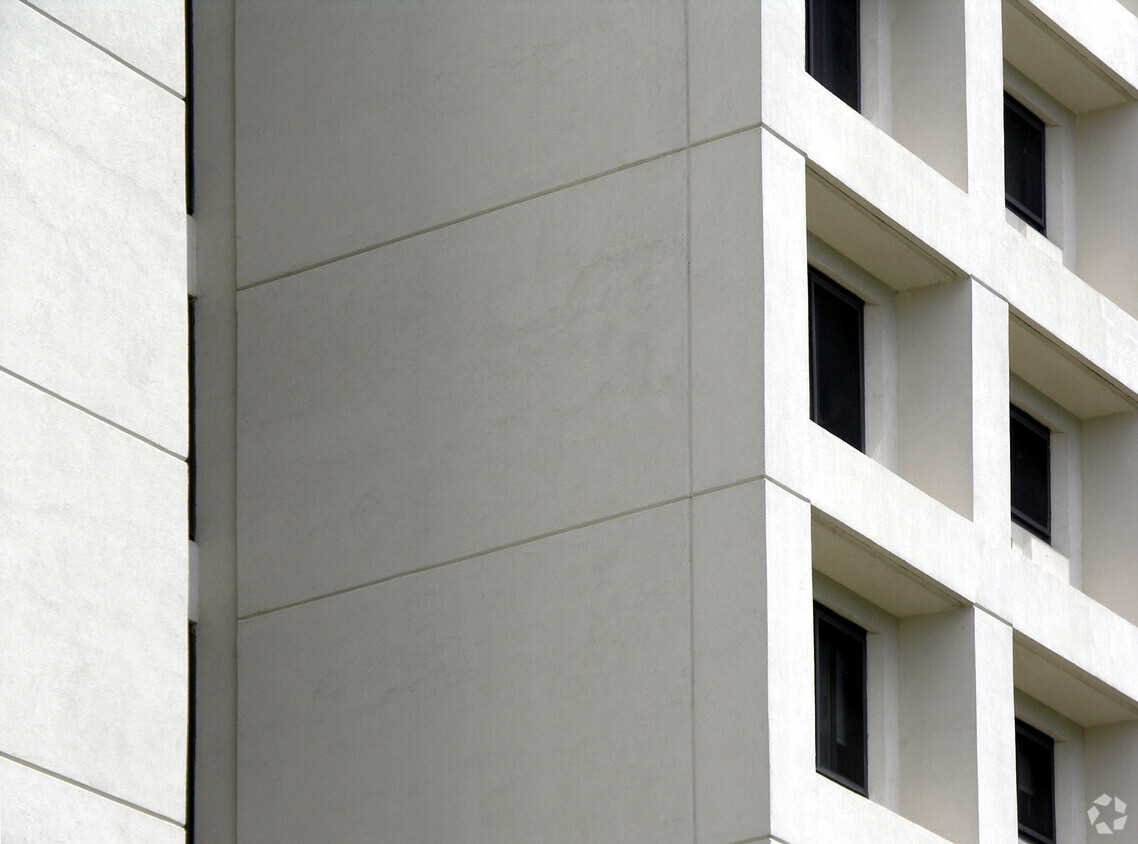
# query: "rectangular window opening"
[[833, 47], [840, 700], [837, 365], [1035, 784], [1031, 474], [1024, 190]]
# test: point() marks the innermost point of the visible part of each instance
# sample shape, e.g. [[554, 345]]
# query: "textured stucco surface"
[[92, 229], [93, 601], [36, 808], [146, 34]]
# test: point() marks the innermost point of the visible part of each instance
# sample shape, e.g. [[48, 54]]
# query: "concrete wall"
[[93, 423]]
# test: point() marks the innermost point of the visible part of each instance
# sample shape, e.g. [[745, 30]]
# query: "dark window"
[[1031, 473], [839, 706], [1035, 784], [1023, 164], [833, 50], [836, 368]]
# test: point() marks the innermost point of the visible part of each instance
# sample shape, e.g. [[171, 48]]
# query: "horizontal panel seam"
[[103, 50], [92, 414], [500, 207], [90, 789]]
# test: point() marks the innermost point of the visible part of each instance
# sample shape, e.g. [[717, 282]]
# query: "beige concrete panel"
[[148, 35], [361, 122], [1111, 753], [727, 311], [542, 693], [1110, 512], [729, 598], [939, 688], [512, 375], [1106, 179], [93, 579], [724, 66], [39, 809], [92, 229], [934, 392], [929, 85]]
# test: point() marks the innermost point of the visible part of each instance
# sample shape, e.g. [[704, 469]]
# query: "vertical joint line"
[[191, 416], [189, 140]]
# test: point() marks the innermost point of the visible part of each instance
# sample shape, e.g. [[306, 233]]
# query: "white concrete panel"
[[36, 808], [361, 122], [724, 66], [515, 374], [542, 693], [727, 311], [1080, 53], [92, 229], [786, 354], [148, 34], [891, 515], [729, 598], [790, 659], [92, 601], [840, 816]]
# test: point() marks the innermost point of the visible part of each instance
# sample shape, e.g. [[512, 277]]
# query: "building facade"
[[607, 424]]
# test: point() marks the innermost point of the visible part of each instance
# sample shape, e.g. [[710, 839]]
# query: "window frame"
[[1026, 732], [1033, 425], [1014, 204], [824, 615], [818, 278], [811, 15]]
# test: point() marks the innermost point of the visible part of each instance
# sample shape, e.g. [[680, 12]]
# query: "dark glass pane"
[[833, 47], [1031, 473], [836, 369], [839, 716], [1035, 783], [1023, 163]]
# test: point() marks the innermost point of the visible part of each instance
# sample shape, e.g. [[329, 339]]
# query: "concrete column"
[[786, 356], [991, 470], [984, 73], [790, 662]]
